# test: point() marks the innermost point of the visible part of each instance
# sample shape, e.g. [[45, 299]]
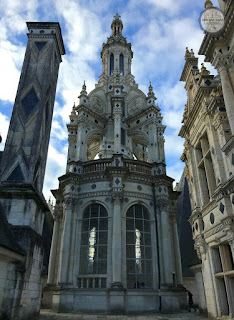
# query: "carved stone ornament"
[[117, 196], [162, 204], [96, 104], [135, 105]]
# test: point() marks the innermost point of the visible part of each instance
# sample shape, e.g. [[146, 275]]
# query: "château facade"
[[208, 129], [115, 237]]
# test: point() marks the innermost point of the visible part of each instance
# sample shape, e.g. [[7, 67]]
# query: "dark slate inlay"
[[93, 186], [232, 199], [75, 169], [96, 121], [212, 219], [203, 225], [139, 188], [110, 87], [196, 226], [151, 203], [222, 109], [160, 189], [221, 207], [117, 181], [72, 188], [208, 82], [117, 91], [158, 171], [40, 45], [232, 159], [16, 175], [30, 101], [78, 189], [126, 200]]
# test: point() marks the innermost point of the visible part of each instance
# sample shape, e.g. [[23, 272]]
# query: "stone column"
[[228, 94], [117, 112], [166, 243], [176, 246], [153, 142], [65, 242], [81, 147], [52, 261], [116, 242]]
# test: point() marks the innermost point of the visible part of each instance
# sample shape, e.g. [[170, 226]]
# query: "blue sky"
[[159, 31]]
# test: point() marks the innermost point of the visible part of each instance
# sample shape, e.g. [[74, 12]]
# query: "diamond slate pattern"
[[117, 181], [30, 101], [221, 207]]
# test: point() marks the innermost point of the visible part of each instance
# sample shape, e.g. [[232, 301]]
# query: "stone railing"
[[96, 165], [133, 166], [91, 281]]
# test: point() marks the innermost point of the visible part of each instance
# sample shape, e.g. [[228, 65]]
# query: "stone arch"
[[142, 203]]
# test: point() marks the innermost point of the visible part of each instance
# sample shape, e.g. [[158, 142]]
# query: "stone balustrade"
[[95, 281]]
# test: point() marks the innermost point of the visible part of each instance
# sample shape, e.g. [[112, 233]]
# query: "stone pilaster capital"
[[172, 217], [162, 204], [58, 213], [82, 120], [117, 197], [70, 202]]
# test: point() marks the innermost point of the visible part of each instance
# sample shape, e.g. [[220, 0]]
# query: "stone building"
[[25, 218], [115, 243], [208, 129]]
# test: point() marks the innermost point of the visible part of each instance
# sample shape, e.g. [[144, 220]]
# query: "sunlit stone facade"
[[115, 243], [208, 129]]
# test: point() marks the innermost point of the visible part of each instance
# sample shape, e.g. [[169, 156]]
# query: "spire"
[[151, 94], [117, 26], [83, 91], [208, 4]]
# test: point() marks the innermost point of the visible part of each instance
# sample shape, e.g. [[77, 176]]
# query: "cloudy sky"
[[159, 31]]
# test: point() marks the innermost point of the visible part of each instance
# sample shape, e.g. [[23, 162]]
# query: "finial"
[[192, 53], [117, 16], [151, 92], [208, 4], [84, 86]]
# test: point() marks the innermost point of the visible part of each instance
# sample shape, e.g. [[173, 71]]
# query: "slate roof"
[[188, 253], [7, 239]]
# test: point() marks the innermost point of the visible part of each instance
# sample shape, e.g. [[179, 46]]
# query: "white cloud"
[[175, 171], [4, 124], [173, 145]]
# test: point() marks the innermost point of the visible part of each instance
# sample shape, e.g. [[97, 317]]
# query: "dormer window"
[[121, 64], [111, 64]]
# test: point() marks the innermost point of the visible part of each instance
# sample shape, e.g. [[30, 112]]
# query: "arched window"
[[138, 248], [111, 63], [121, 64], [93, 254]]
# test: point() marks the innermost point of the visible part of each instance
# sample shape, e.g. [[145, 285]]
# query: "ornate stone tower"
[[24, 159], [115, 236]]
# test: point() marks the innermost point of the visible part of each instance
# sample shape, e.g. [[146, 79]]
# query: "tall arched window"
[[121, 64], [93, 254], [111, 63], [138, 248]]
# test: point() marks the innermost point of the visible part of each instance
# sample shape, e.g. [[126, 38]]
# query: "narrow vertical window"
[[138, 248], [111, 64], [121, 64]]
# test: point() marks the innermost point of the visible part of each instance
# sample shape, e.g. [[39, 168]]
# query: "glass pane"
[[102, 266], [131, 281], [147, 252], [138, 212], [148, 281], [130, 238], [103, 237], [103, 283], [103, 224], [139, 265], [147, 239], [94, 223], [94, 210], [146, 214], [96, 282], [102, 252], [84, 238], [130, 224], [139, 224], [148, 266], [83, 259], [103, 212], [147, 226], [130, 251], [130, 265]]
